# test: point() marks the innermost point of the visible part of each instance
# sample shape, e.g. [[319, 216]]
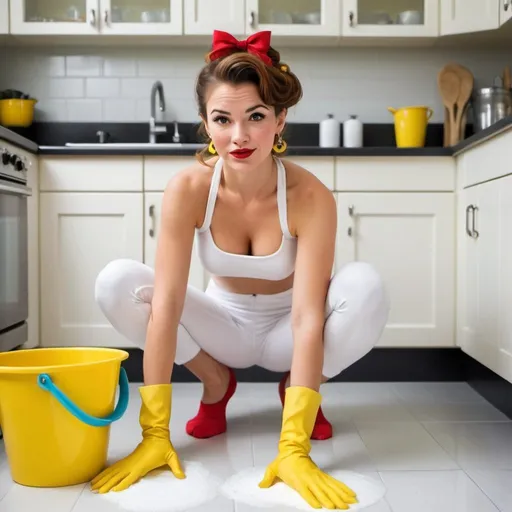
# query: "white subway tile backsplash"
[[120, 67], [117, 110], [114, 84], [84, 110], [51, 110], [102, 87], [83, 65], [64, 88]]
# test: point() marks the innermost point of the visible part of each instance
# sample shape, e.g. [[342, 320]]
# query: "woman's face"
[[241, 127]]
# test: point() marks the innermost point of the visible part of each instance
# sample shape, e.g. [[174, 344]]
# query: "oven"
[[14, 194]]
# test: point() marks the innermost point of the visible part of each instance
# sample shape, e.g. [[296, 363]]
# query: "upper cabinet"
[[76, 17], [335, 20], [390, 18], [294, 17], [203, 16], [505, 11], [466, 16], [4, 16]]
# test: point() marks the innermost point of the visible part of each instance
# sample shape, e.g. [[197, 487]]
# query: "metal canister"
[[489, 105]]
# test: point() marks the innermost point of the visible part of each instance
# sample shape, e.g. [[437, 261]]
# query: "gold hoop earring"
[[211, 148], [280, 146]]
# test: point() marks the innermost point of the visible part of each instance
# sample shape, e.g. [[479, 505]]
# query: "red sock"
[[211, 418], [322, 429]]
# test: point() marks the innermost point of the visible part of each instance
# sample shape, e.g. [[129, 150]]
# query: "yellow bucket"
[[56, 407], [411, 125]]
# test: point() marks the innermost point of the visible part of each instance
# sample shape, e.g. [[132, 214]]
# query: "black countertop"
[[49, 139]]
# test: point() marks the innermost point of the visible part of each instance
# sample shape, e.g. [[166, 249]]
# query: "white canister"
[[353, 133], [329, 132]]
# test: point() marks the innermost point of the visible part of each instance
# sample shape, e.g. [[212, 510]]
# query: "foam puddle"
[[243, 487], [161, 491]]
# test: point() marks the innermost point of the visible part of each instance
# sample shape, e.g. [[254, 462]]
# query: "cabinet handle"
[[106, 18], [468, 210], [152, 217], [351, 19], [351, 210], [349, 231], [93, 17], [252, 19], [474, 232], [506, 4]]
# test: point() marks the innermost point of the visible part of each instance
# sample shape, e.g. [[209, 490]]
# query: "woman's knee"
[[357, 312], [121, 280], [123, 291], [356, 284]]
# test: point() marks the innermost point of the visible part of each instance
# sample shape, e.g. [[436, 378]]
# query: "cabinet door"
[[409, 238], [465, 16], [483, 292], [294, 17], [153, 208], [390, 18], [80, 234], [156, 17], [55, 17], [504, 364], [505, 11], [4, 16], [203, 16]]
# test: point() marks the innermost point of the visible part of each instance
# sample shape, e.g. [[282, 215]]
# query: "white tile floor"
[[435, 446]]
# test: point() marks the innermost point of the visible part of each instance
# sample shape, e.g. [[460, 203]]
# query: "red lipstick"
[[242, 153]]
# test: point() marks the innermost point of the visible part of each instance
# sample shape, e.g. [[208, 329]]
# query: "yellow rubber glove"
[[293, 465], [155, 449]]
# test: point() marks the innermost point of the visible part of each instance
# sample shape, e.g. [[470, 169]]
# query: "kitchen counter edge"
[[18, 140], [368, 151]]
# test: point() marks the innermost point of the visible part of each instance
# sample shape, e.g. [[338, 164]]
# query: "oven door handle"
[[16, 189]]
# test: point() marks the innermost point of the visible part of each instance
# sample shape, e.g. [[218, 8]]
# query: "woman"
[[266, 232]]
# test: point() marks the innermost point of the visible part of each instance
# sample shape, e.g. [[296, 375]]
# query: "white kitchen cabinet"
[[505, 11], [294, 17], [466, 16], [410, 239], [78, 17], [80, 234], [484, 293], [390, 18], [203, 16], [4, 16], [153, 210]]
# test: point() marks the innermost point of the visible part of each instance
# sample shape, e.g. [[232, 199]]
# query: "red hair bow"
[[225, 44]]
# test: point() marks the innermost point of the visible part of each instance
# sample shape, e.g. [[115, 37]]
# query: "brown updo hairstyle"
[[277, 85]]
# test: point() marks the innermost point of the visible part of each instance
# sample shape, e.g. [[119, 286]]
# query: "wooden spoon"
[[449, 84], [466, 88]]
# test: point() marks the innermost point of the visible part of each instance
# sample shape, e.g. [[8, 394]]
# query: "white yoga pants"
[[243, 330]]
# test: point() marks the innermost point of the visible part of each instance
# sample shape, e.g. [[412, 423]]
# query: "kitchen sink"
[[134, 145]]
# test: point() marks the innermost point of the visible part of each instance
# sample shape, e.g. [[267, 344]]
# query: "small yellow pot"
[[17, 112], [411, 125]]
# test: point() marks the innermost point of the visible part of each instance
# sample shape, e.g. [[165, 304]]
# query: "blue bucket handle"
[[45, 382]]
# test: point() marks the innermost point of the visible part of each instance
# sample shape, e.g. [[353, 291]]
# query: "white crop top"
[[274, 267]]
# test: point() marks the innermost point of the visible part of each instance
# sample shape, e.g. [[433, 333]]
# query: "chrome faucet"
[[154, 129]]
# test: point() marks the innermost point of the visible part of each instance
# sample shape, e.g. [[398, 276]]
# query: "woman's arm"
[[316, 224], [172, 263]]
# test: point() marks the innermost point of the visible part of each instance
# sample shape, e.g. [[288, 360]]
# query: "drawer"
[[490, 160], [321, 167], [395, 174], [158, 170], [91, 173]]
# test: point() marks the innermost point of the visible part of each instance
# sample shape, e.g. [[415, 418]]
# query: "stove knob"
[[6, 158], [19, 165]]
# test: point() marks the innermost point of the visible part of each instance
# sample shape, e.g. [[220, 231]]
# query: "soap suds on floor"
[[161, 491], [243, 487]]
